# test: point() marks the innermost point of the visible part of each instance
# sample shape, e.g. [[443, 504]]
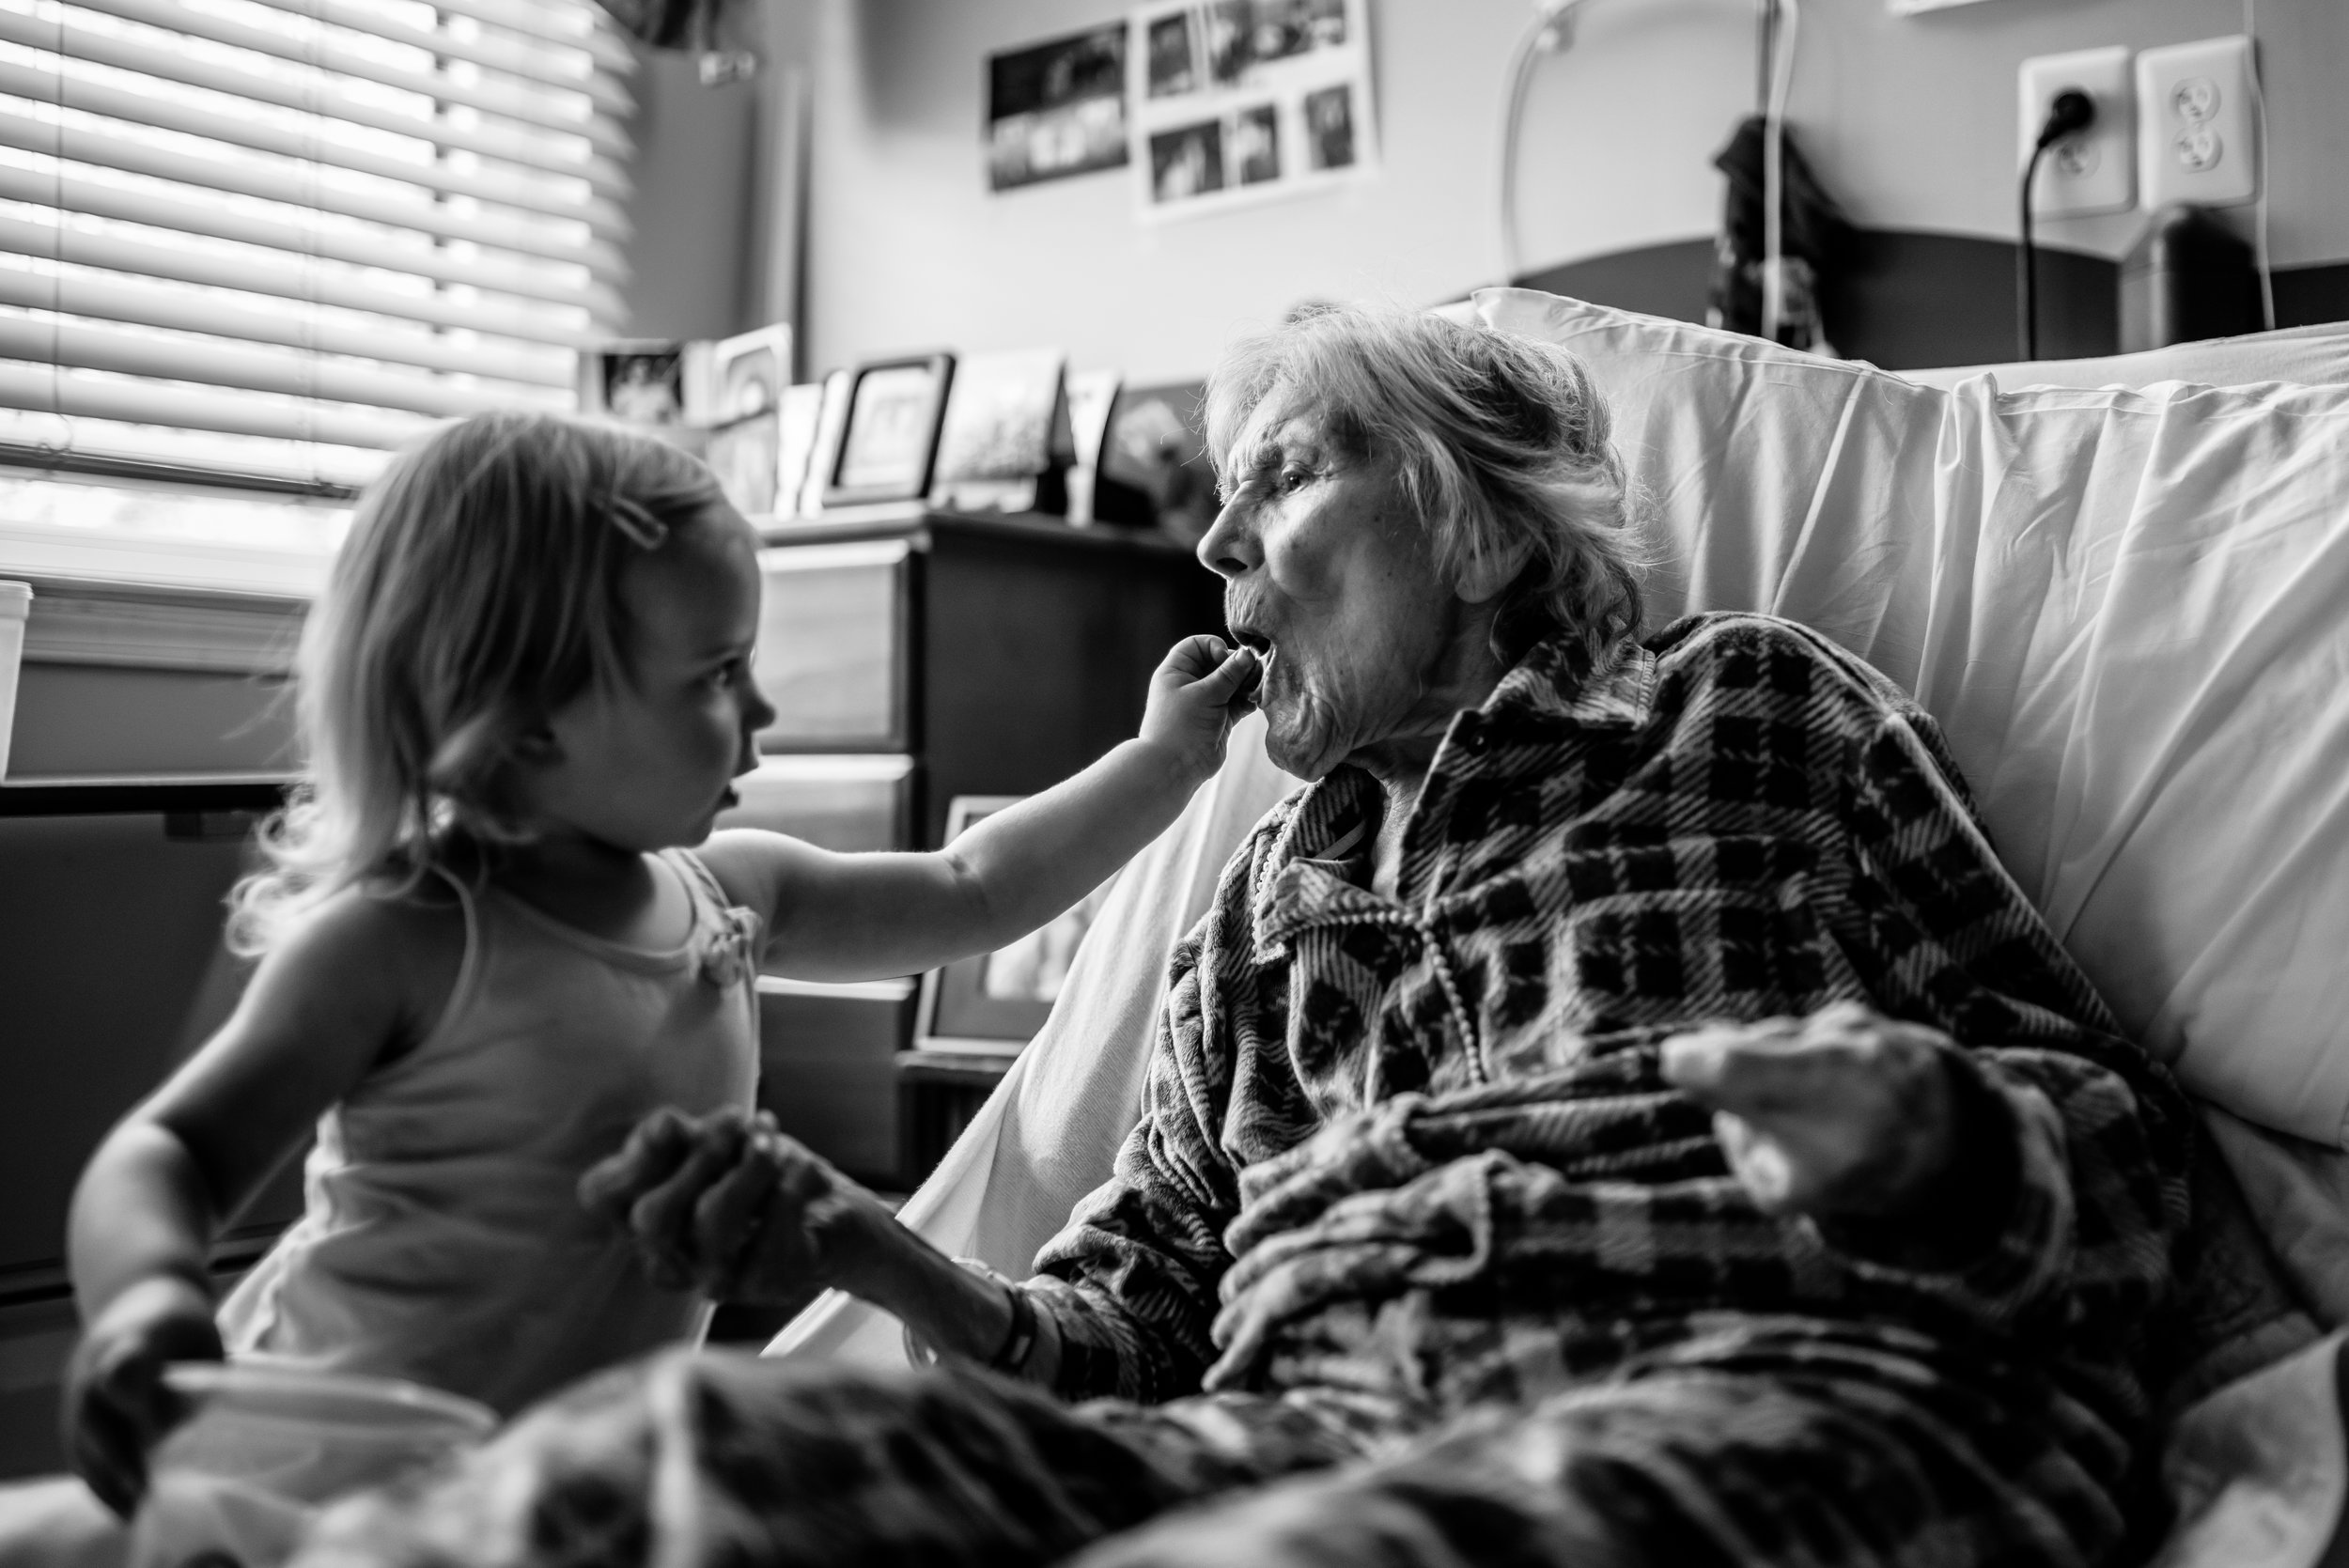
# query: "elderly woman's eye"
[[1295, 478]]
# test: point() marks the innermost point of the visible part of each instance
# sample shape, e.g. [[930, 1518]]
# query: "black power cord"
[[2071, 111]]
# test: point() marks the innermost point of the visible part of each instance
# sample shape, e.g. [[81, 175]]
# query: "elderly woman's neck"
[[1401, 760]]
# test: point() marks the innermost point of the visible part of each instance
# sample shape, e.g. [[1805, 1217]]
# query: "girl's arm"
[[323, 1008], [862, 917]]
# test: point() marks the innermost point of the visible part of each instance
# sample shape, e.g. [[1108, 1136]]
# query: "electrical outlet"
[[2091, 170], [2198, 137]]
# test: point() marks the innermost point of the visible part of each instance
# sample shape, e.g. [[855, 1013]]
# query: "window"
[[252, 245]]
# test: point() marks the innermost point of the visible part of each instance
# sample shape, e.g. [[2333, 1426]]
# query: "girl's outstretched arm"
[[861, 916], [355, 982]]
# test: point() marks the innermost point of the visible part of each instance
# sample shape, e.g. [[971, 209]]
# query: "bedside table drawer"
[[833, 641], [826, 1068], [840, 802]]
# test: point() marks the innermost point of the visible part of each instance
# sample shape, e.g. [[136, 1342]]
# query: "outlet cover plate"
[[2095, 170], [2197, 132]]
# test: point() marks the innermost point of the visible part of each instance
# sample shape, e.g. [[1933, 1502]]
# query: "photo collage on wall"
[[1212, 104], [1240, 100]]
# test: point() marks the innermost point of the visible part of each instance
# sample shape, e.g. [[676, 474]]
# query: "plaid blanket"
[[1418, 1150]]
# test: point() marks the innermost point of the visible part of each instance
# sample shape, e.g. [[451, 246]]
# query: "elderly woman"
[[1620, 1112]]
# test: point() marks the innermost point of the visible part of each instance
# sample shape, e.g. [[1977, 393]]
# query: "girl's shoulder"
[[404, 947]]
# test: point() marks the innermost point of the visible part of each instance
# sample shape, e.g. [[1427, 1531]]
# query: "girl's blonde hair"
[[479, 592], [1498, 441]]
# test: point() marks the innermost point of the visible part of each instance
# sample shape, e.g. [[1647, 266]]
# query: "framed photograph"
[[1006, 430], [889, 436], [1154, 471], [823, 452], [641, 381], [1186, 160], [1330, 128], [1092, 393], [1255, 146], [996, 1002], [747, 373], [1171, 53], [796, 422], [1056, 109], [744, 456]]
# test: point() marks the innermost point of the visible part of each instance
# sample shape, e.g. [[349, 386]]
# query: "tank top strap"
[[729, 937], [468, 965], [701, 883]]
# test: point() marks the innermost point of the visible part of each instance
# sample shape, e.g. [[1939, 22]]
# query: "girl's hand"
[[1198, 692], [117, 1406], [729, 1206]]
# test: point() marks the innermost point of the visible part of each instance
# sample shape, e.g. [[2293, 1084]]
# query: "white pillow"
[[2129, 609], [2312, 356]]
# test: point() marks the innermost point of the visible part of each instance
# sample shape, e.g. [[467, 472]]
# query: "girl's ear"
[[537, 747], [1484, 577]]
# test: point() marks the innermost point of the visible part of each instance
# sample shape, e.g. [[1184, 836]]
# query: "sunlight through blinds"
[[260, 241]]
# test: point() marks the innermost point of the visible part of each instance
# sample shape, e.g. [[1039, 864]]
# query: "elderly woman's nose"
[[1230, 548]]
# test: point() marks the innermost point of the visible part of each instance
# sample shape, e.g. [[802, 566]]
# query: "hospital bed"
[[2121, 586]]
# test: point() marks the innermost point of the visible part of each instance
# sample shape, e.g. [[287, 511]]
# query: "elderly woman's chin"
[[1303, 735]]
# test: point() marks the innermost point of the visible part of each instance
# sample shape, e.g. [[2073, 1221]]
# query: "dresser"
[[912, 656]]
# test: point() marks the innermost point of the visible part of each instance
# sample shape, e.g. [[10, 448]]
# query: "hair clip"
[[643, 529]]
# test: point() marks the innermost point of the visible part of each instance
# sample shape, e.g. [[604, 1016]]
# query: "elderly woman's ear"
[[1484, 575]]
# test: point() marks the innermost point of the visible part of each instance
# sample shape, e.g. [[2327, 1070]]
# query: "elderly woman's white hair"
[[1496, 439]]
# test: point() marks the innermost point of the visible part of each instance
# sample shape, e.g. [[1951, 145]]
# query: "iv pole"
[[1552, 32]]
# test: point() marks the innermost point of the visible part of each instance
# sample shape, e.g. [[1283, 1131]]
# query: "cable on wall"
[[1552, 32], [1782, 40], [1548, 33], [2071, 111], [2259, 218]]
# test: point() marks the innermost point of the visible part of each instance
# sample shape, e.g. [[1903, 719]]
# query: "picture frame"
[[823, 455], [747, 373], [1057, 108], [1005, 445], [744, 456], [798, 420], [641, 381], [889, 430], [992, 1003]]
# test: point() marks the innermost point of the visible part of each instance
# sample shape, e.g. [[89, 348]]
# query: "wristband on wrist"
[[1011, 1356], [1019, 1338]]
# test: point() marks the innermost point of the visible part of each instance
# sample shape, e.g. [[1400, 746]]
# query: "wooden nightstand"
[[914, 656]]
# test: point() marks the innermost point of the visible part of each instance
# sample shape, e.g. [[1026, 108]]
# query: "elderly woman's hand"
[[729, 1206], [1842, 1116]]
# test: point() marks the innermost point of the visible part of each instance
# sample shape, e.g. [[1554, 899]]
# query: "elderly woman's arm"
[[2021, 1156], [731, 1207]]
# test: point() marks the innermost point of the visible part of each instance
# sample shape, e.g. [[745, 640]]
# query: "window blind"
[[260, 241]]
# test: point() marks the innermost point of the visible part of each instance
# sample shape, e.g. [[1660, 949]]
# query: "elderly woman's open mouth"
[[1261, 646]]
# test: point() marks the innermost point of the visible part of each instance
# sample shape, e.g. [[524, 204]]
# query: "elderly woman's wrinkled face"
[[1330, 577]]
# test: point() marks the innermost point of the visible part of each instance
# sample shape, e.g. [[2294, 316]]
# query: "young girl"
[[486, 950]]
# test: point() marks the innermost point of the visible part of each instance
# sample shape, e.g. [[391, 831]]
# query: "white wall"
[[1909, 122], [695, 241]]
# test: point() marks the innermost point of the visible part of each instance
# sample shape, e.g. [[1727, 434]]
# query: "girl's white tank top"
[[441, 1238]]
